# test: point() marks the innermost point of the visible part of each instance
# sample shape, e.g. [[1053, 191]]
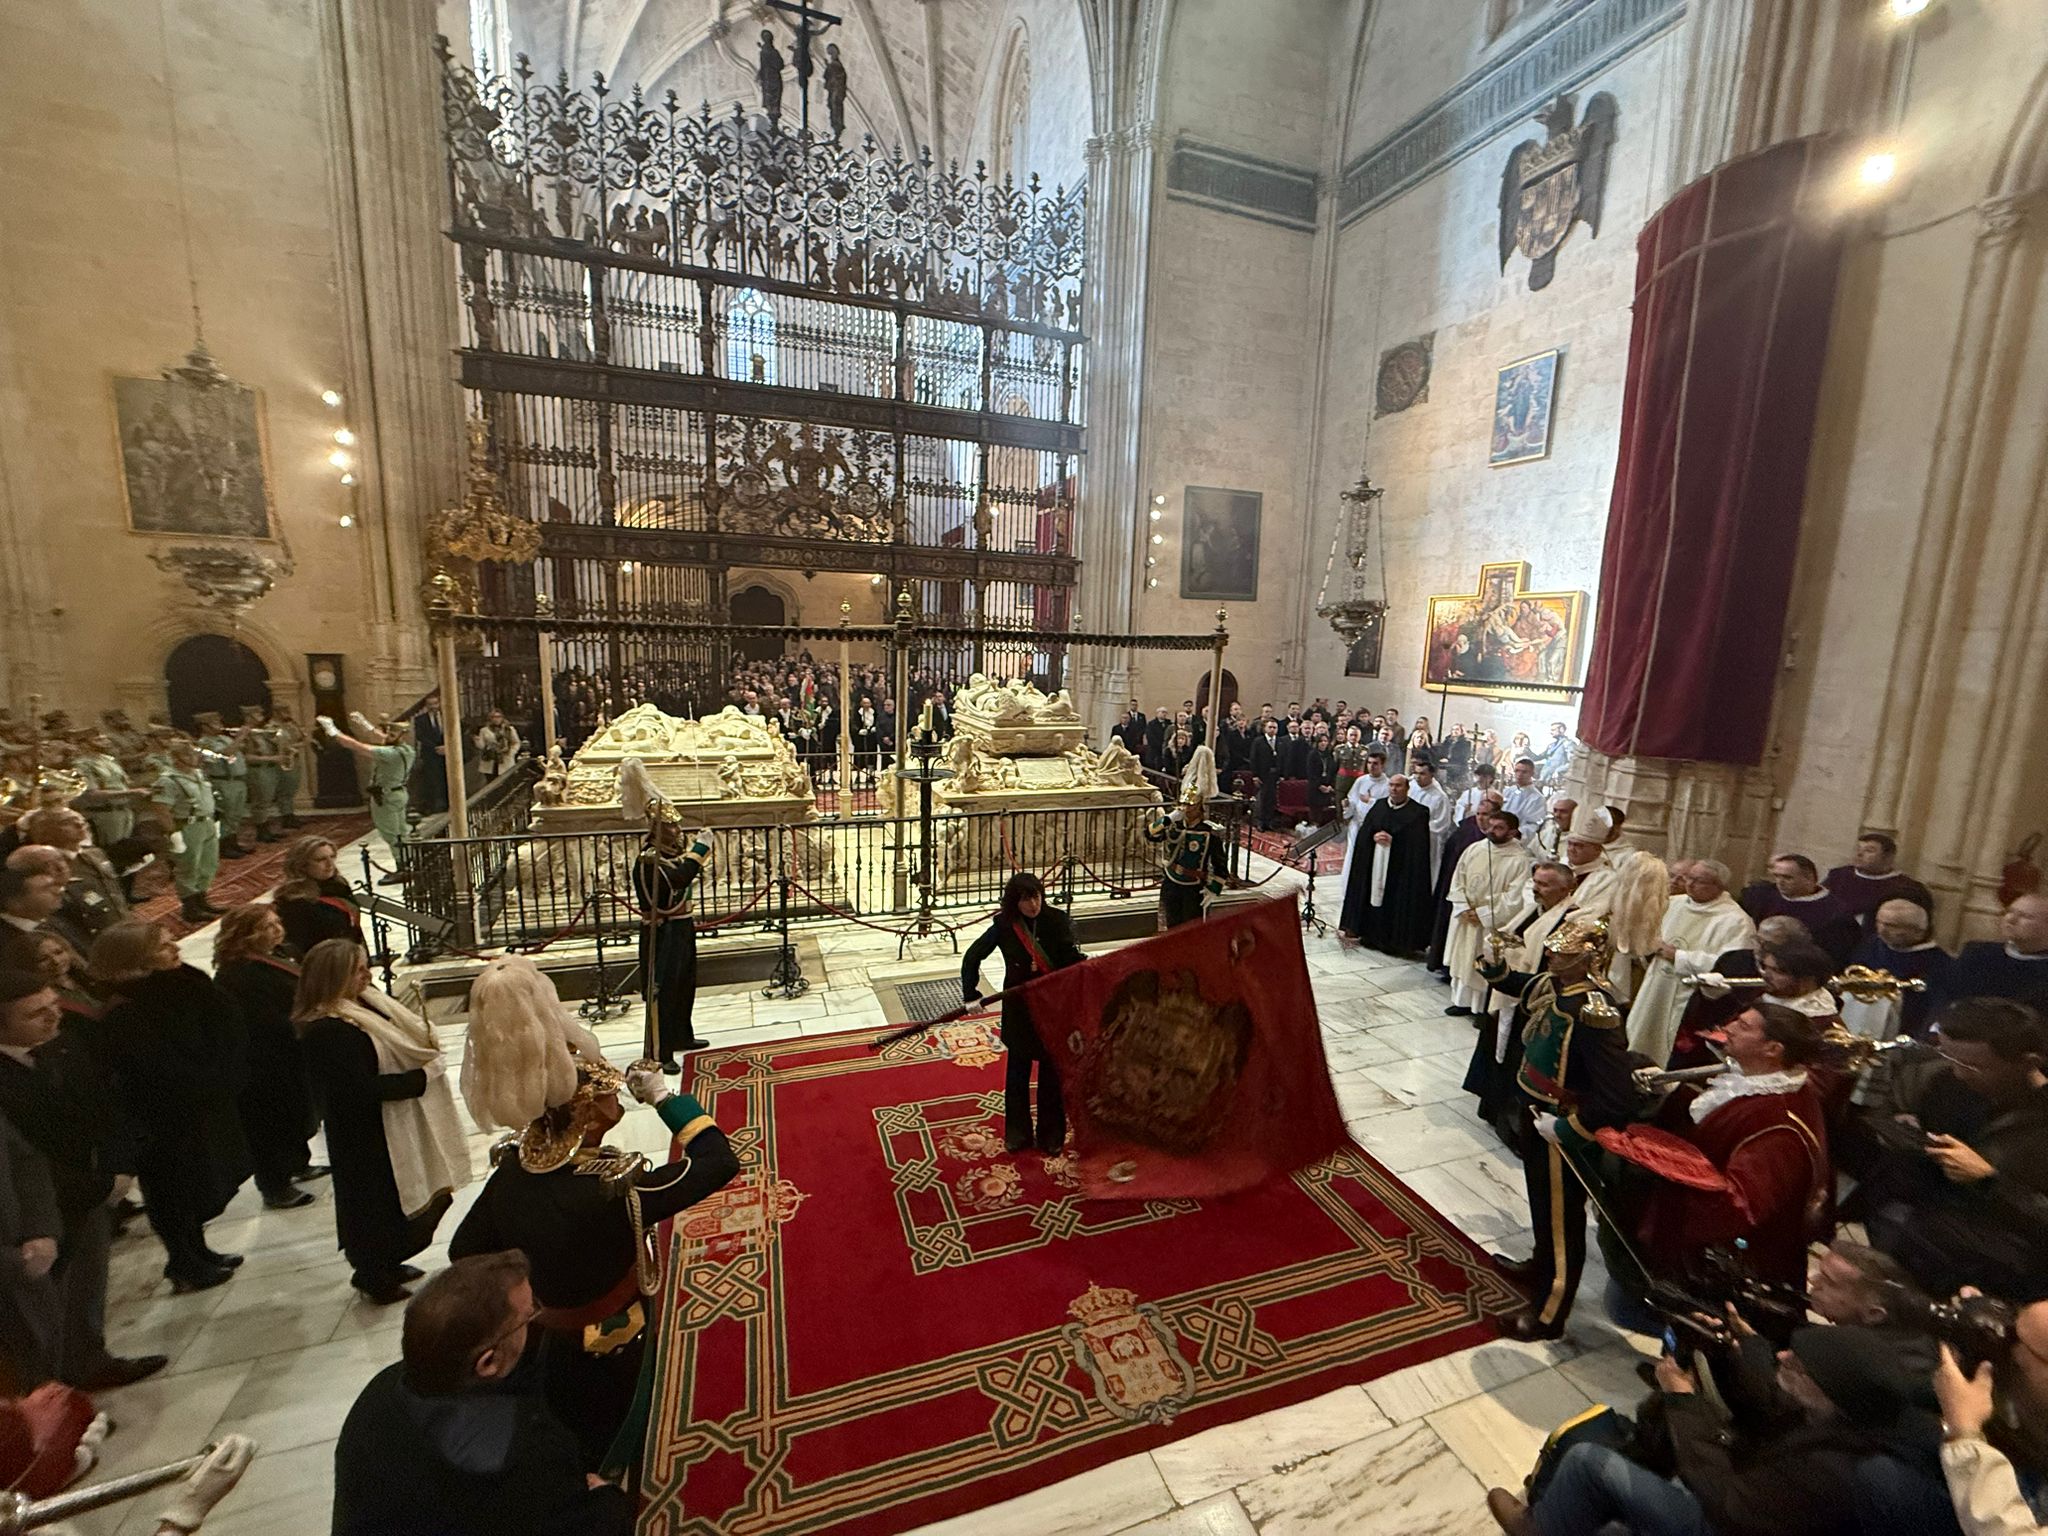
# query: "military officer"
[[584, 1214], [108, 801], [1574, 1079], [186, 794], [228, 768], [259, 748], [291, 761], [389, 755], [1195, 859], [663, 877]]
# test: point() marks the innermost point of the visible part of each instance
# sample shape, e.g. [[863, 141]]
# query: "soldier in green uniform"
[[1574, 1079], [259, 748], [108, 801], [389, 755], [186, 794], [1195, 859], [121, 732], [229, 771], [291, 761]]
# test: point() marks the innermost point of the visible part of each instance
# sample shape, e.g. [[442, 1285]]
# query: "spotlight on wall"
[[348, 479], [1151, 581], [874, 581], [1155, 514], [330, 397], [625, 567], [1878, 168], [338, 459], [347, 521], [1158, 538], [345, 437], [1906, 10]]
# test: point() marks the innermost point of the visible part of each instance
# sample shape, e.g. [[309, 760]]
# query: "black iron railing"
[[534, 890]]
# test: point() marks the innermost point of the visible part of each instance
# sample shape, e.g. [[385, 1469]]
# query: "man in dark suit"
[[431, 740], [1157, 730], [59, 1097], [1266, 766]]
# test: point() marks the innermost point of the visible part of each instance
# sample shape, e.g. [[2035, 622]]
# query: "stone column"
[[1972, 661], [1126, 47], [1757, 72], [399, 311]]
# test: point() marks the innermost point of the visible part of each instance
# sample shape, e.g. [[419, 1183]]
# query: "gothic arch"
[[1010, 118], [284, 674]]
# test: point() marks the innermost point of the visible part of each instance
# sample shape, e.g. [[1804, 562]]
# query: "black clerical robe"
[[1400, 924], [1863, 894], [1989, 969], [1826, 917], [1928, 963]]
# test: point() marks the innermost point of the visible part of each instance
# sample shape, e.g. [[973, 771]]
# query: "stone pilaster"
[[399, 310]]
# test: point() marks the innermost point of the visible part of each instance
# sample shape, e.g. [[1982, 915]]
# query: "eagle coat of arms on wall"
[[1548, 187]]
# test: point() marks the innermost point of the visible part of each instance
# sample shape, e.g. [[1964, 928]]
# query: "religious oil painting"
[[1219, 552], [1523, 398], [1362, 655], [1503, 640], [192, 454]]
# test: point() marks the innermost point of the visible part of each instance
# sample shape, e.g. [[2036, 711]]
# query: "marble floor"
[[280, 1352]]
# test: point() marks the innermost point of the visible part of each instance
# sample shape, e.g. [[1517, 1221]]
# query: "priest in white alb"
[[1489, 888], [1703, 923], [1424, 788], [1594, 878], [1358, 799]]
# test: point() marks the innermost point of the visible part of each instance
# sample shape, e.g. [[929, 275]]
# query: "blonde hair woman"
[[276, 1104], [173, 1040], [313, 901], [393, 1137]]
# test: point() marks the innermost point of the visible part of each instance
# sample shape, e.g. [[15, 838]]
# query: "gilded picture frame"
[[1502, 640], [1524, 409], [193, 455]]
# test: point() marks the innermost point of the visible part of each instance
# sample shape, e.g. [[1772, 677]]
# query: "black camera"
[[1977, 1328], [1698, 1310]]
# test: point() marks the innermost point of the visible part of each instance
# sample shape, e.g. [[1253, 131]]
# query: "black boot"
[[194, 909]]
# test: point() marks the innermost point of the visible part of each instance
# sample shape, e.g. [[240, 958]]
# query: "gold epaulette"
[[1599, 1011], [504, 1147]]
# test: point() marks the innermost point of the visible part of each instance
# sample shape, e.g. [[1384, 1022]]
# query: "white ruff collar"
[[1734, 1084]]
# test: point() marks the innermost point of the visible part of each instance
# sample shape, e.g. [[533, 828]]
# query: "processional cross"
[[800, 55]]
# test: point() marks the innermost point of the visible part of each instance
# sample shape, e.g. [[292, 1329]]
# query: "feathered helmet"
[[526, 1058], [1582, 938], [1193, 801], [641, 801]]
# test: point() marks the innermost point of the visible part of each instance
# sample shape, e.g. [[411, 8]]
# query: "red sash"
[[610, 1304], [1039, 964]]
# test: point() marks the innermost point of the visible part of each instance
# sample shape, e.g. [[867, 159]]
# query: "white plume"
[[520, 1057]]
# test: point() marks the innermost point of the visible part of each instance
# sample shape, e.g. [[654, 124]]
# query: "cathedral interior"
[[1667, 379]]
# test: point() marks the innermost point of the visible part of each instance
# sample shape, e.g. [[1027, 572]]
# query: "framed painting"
[[1219, 546], [192, 456], [1362, 655], [1524, 396], [1503, 640]]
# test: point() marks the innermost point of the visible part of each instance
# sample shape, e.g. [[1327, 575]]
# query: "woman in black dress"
[[174, 1041], [392, 1136], [275, 1103], [313, 901], [1035, 939]]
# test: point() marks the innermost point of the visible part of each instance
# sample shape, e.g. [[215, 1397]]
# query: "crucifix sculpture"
[[810, 22]]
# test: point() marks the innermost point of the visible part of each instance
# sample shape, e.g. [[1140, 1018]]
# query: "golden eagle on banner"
[[1549, 187]]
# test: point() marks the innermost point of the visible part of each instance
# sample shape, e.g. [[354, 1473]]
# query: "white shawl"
[[424, 1135]]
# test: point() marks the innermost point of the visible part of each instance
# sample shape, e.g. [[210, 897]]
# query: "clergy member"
[[1367, 788], [1481, 786], [1423, 786], [1469, 829], [1596, 881], [1794, 890], [1549, 840], [1698, 926], [1903, 946], [2016, 968], [1497, 1053], [1386, 899], [1875, 878], [1525, 799], [1487, 894]]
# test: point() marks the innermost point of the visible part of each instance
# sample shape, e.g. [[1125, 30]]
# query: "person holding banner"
[[1035, 940]]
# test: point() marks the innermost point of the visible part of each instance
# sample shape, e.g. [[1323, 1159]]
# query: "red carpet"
[[246, 878], [887, 1320]]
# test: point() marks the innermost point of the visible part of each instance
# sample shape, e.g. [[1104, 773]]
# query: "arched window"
[[750, 338], [1011, 138], [487, 35]]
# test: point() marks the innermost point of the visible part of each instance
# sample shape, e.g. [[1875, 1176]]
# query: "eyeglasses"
[[1960, 1065], [519, 1325]]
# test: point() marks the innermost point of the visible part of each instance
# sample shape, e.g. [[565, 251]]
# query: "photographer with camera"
[[1854, 1401], [1958, 1190], [1994, 1451]]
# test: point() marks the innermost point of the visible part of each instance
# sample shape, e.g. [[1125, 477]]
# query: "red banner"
[[1192, 1064]]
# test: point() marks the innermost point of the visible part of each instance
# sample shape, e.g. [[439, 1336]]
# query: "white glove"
[[645, 1084], [208, 1483], [436, 1069], [1176, 815], [327, 724], [177, 842], [1546, 1127]]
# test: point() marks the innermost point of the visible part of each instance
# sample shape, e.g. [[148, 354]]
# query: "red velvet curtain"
[[1735, 286]]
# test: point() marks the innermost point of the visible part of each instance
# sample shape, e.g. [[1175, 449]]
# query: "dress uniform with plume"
[[663, 877], [1574, 1079], [1195, 857], [584, 1214]]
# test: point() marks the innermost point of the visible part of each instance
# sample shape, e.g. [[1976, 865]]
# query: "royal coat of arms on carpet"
[[1131, 1355]]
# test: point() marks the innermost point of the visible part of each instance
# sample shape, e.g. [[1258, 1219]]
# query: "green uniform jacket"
[[1575, 1061]]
